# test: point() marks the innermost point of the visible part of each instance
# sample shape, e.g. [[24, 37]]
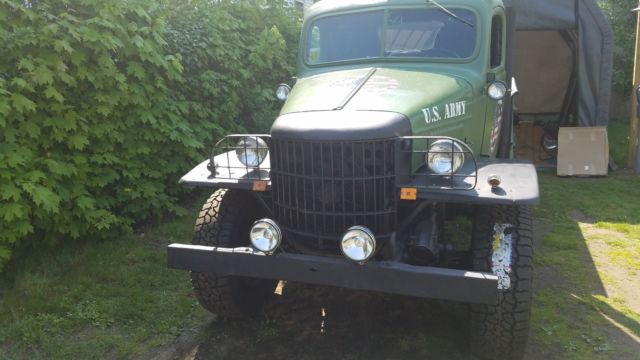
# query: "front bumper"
[[384, 276]]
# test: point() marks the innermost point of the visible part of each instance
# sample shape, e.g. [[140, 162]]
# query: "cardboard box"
[[583, 151]]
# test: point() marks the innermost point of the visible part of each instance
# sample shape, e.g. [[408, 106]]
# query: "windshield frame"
[[303, 52]]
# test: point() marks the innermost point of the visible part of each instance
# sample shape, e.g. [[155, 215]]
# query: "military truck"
[[398, 129]]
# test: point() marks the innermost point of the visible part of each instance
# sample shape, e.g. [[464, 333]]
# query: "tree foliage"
[[103, 105], [234, 54], [623, 22]]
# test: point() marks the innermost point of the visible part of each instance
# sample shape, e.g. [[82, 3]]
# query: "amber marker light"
[[260, 185], [409, 194]]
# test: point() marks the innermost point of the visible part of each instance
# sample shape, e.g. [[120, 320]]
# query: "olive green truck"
[[398, 129]]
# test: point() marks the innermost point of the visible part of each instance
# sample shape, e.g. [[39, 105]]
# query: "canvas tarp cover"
[[595, 48]]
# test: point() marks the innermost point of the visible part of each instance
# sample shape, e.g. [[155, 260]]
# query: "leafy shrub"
[[89, 133], [103, 105], [623, 21], [234, 54]]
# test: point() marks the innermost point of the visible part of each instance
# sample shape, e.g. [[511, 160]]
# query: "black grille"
[[320, 189]]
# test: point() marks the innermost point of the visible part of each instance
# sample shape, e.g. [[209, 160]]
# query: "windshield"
[[424, 33]]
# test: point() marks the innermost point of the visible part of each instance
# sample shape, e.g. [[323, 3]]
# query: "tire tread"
[[222, 294], [501, 330]]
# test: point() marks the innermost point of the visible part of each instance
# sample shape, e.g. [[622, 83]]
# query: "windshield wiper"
[[448, 12]]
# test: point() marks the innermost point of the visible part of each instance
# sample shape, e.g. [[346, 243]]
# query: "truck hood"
[[375, 89]]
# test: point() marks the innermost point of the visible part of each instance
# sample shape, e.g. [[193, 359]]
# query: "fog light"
[[358, 244], [265, 235]]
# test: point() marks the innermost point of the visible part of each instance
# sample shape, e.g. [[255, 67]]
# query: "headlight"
[[497, 90], [265, 235], [252, 151], [358, 244], [282, 92], [445, 157]]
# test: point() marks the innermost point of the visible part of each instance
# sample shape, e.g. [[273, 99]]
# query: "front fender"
[[469, 185], [518, 186], [224, 170]]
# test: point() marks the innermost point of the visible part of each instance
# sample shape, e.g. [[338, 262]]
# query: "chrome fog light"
[[358, 244], [265, 235]]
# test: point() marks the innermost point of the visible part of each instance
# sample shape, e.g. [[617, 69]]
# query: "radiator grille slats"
[[323, 188]]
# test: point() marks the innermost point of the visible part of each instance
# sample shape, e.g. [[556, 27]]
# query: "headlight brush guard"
[[224, 164], [414, 149]]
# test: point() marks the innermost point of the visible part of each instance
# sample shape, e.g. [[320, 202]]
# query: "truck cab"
[[441, 66], [398, 125]]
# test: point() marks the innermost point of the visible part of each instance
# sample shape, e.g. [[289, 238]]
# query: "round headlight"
[[252, 151], [282, 92], [445, 157], [497, 90], [265, 235], [358, 244]]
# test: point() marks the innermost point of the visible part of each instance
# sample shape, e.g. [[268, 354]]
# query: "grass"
[[594, 241], [113, 299], [117, 299], [619, 141]]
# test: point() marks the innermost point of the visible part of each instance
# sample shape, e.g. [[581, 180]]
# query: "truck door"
[[496, 72]]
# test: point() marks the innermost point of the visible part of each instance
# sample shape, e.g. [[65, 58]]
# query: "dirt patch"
[[619, 279], [626, 344], [540, 231], [544, 276], [310, 322], [617, 284], [181, 347], [581, 217]]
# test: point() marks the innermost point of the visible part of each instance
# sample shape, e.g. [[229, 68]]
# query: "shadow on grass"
[[572, 316], [569, 322], [617, 318], [309, 322]]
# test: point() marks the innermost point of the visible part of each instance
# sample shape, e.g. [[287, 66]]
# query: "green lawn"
[[117, 299], [113, 299], [588, 267], [619, 141]]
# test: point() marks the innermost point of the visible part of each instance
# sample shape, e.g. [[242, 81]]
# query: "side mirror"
[[282, 92], [514, 87]]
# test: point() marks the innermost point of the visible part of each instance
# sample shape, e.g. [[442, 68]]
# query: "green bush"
[[623, 22], [234, 55], [103, 105]]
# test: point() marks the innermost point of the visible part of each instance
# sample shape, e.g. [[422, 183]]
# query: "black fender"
[[240, 177], [200, 176], [518, 179], [518, 185]]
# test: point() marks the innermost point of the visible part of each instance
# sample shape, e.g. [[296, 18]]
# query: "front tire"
[[501, 331], [224, 221]]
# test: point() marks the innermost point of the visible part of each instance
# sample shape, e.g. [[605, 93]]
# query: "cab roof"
[[325, 6]]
